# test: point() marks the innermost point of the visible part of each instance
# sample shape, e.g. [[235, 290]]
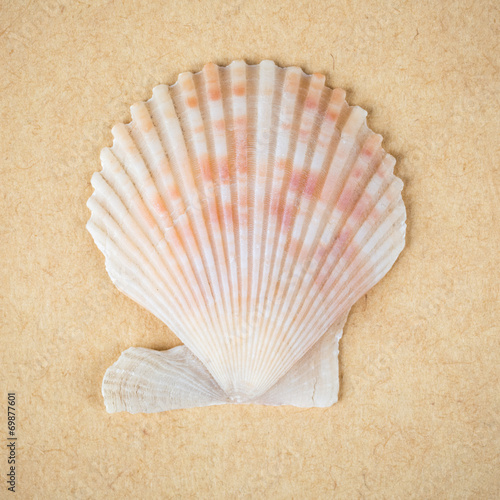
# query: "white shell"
[[247, 207]]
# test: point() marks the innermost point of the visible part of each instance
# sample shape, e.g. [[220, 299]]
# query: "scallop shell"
[[248, 208]]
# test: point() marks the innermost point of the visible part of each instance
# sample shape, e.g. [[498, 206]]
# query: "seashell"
[[248, 208]]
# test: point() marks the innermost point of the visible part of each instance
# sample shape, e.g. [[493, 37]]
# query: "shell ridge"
[[299, 232], [199, 216], [316, 303], [310, 236], [248, 131], [322, 155], [335, 228], [298, 225], [117, 206], [343, 239], [289, 282], [200, 330], [135, 291], [198, 126], [237, 193], [235, 92], [335, 280], [231, 207], [165, 230], [205, 160], [184, 270], [268, 75], [217, 146], [171, 133], [301, 293], [305, 113], [371, 279], [107, 216], [214, 119], [209, 95], [284, 100], [279, 152], [193, 125], [330, 273]]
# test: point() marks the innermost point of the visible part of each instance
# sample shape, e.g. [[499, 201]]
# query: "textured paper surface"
[[418, 415]]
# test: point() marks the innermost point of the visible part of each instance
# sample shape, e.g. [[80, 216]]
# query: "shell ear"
[[149, 381], [314, 380]]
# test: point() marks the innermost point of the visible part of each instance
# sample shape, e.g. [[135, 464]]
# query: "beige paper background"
[[419, 406]]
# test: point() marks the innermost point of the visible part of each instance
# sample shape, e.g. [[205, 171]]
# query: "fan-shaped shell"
[[247, 207]]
